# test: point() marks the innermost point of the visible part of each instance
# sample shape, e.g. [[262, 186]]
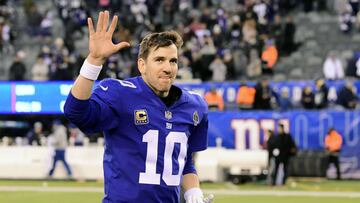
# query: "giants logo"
[[251, 133]]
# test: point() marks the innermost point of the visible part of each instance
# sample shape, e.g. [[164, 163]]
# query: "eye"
[[173, 61], [159, 60]]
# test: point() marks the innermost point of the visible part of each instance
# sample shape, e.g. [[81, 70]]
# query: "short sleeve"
[[198, 139]]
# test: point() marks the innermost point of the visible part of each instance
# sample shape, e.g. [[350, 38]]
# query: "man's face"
[[159, 69]]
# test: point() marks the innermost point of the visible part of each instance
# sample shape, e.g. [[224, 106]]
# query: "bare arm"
[[100, 48], [190, 180]]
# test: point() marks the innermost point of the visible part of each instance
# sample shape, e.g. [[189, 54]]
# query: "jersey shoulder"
[[114, 86], [196, 100]]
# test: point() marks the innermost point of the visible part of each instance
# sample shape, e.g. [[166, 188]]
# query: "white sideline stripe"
[[282, 193], [50, 189], [215, 192]]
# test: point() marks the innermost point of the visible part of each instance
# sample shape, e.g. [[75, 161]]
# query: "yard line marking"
[[207, 191], [50, 189], [282, 193]]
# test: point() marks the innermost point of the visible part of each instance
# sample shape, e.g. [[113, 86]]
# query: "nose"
[[167, 68]]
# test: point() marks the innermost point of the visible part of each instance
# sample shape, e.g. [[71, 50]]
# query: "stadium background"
[[52, 35]]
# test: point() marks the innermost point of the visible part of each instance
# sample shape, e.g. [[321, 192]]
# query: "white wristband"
[[193, 192], [90, 71]]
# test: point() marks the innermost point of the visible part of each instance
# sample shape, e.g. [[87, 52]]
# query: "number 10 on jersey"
[[150, 176]]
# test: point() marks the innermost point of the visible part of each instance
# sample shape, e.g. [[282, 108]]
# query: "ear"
[[141, 65]]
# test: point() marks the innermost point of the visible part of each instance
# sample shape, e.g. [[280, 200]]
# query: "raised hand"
[[100, 40]]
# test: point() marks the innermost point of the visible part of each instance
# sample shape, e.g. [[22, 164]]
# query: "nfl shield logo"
[[168, 115], [196, 118]]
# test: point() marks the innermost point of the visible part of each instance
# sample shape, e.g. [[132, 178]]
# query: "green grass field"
[[46, 192]]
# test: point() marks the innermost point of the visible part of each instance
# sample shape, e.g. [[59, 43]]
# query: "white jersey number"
[[150, 176]]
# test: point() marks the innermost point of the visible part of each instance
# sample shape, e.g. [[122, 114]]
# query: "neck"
[[161, 94]]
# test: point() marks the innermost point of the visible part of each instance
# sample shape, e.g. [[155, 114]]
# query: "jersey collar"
[[183, 98]]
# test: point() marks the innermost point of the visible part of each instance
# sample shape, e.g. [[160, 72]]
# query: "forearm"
[[83, 86], [190, 180]]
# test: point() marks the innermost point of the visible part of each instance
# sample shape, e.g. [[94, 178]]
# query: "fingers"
[[209, 198], [113, 25], [90, 27], [99, 25], [105, 21], [122, 45]]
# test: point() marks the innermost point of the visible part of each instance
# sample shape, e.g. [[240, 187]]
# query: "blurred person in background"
[[245, 96], [76, 137], [321, 94], [289, 45], [35, 135], [263, 94], [347, 96], [286, 148], [308, 98], [333, 144], [214, 100], [333, 68], [253, 69], [40, 70], [58, 140], [273, 151], [284, 101], [218, 69], [269, 56], [17, 69]]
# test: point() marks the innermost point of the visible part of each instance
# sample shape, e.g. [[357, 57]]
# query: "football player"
[[151, 126]]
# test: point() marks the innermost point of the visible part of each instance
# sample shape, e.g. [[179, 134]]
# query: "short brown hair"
[[159, 39]]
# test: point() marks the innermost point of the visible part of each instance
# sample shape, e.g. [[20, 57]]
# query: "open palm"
[[100, 40]]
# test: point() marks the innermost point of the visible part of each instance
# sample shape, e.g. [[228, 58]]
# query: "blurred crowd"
[[223, 40], [232, 40], [262, 96], [55, 133]]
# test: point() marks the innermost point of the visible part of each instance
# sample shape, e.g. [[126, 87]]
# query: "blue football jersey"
[[147, 144]]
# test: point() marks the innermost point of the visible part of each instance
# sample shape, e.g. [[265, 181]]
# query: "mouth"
[[165, 78]]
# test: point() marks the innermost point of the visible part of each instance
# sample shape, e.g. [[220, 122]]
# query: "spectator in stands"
[[333, 145], [18, 69], [245, 97], [346, 18], [269, 56], [287, 148], [58, 139], [249, 33], [308, 5], [76, 137], [284, 101], [46, 24], [347, 97], [230, 65], [357, 67], [333, 68], [218, 69], [253, 68], [321, 94], [308, 98], [34, 18], [214, 100], [40, 70], [207, 55], [185, 71], [276, 31], [353, 66], [5, 36], [289, 45], [263, 94], [35, 135]]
